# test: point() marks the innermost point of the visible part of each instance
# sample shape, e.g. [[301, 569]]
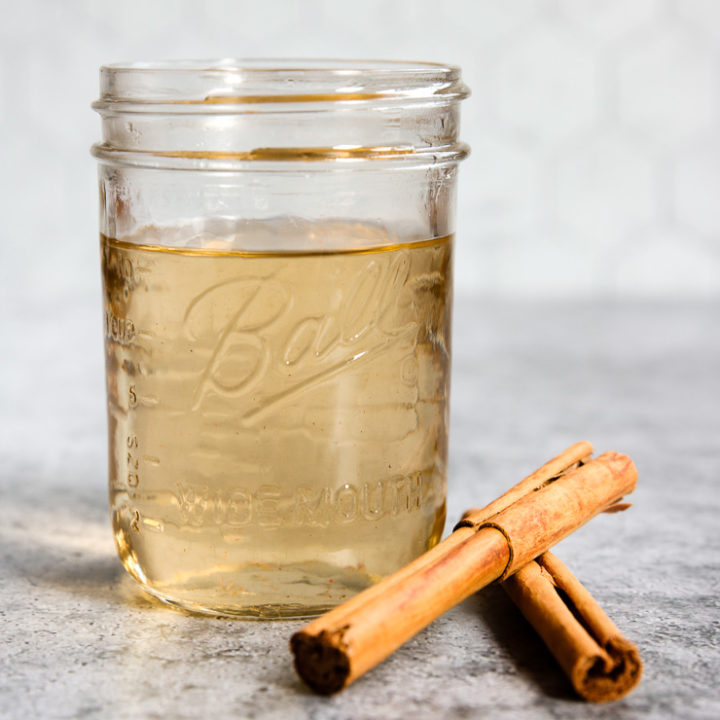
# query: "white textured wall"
[[595, 127]]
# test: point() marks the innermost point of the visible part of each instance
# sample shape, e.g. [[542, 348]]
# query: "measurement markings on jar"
[[148, 400], [135, 399], [133, 463], [153, 524]]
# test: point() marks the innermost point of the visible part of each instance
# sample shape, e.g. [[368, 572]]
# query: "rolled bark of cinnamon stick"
[[602, 664], [569, 459], [337, 648]]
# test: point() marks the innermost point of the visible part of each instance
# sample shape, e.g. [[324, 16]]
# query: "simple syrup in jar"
[[277, 245], [278, 420]]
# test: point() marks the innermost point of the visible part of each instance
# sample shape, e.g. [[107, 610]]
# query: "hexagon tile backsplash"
[[595, 127]]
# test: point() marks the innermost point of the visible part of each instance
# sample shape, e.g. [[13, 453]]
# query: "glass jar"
[[276, 241]]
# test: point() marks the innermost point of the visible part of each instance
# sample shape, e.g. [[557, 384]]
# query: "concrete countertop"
[[79, 640]]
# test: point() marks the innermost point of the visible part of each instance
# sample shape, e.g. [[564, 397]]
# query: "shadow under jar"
[[276, 241]]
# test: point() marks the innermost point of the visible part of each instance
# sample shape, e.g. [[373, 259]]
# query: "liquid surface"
[[278, 422]]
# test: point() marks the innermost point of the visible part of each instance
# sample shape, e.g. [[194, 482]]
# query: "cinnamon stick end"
[[598, 684], [321, 661]]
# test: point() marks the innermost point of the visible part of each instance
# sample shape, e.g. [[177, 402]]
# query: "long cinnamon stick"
[[336, 649], [601, 664]]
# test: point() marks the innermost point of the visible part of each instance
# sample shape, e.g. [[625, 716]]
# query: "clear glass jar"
[[276, 243]]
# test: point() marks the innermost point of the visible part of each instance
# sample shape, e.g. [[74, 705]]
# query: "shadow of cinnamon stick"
[[523, 647]]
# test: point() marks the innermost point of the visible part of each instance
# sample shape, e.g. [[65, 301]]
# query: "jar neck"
[[228, 114]]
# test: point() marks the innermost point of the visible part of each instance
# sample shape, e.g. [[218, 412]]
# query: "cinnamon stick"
[[337, 648], [602, 664]]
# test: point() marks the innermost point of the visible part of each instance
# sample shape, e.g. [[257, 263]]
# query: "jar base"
[[259, 612], [261, 592]]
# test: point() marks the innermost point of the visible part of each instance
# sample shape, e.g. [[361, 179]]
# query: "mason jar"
[[277, 242]]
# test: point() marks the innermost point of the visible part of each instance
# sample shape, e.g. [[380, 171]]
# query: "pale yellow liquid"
[[278, 422]]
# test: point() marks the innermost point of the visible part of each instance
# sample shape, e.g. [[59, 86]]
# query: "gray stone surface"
[[78, 640]]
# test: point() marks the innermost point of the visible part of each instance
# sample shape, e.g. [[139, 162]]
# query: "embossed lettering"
[[272, 506], [118, 263], [312, 507], [193, 504], [358, 312], [120, 330], [346, 502], [408, 494], [301, 340], [373, 500], [239, 508], [230, 315], [236, 318], [268, 506]]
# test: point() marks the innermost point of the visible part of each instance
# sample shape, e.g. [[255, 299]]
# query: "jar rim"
[[233, 81], [286, 65]]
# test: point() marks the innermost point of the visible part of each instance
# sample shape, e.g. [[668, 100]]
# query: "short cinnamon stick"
[[602, 664], [336, 649]]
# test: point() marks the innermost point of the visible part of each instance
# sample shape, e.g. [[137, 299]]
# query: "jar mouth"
[[230, 85]]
